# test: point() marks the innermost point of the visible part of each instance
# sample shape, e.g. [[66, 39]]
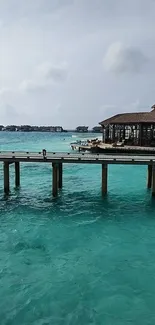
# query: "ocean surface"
[[77, 259]]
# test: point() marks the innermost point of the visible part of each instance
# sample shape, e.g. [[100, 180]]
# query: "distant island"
[[30, 128]]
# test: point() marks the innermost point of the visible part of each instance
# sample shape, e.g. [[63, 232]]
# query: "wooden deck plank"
[[81, 158]]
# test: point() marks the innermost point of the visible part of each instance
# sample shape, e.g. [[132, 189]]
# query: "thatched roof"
[[131, 118]]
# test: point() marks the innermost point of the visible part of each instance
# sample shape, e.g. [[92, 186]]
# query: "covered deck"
[[132, 129]]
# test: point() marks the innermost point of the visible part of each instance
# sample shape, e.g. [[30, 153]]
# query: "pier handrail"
[[58, 158], [24, 156]]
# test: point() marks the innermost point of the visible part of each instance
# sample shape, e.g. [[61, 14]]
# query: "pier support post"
[[149, 177], [6, 178], [17, 174], [153, 181], [55, 180], [60, 175], [104, 179]]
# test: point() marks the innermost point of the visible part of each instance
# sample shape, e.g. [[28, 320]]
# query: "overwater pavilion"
[[135, 129]]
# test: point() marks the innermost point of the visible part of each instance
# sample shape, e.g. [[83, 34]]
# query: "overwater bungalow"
[[97, 129], [82, 129], [133, 129]]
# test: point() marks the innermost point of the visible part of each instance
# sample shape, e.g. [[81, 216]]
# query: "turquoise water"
[[77, 259]]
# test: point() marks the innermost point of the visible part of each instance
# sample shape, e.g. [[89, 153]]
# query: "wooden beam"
[[55, 180], [149, 176], [124, 132], [104, 179], [6, 178], [60, 176], [17, 174], [104, 134], [140, 134], [153, 181], [113, 133]]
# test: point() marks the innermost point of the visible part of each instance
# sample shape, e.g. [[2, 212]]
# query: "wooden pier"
[[57, 159]]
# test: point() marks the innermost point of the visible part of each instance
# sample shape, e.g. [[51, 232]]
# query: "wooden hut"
[[82, 129], [134, 129]]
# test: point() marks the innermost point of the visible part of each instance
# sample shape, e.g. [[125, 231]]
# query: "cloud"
[[1, 23], [56, 73], [10, 114], [121, 59], [8, 110], [44, 76], [7, 95], [4, 91], [32, 85], [39, 36]]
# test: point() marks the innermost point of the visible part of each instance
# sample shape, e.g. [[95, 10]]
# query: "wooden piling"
[[104, 179], [149, 177], [55, 180], [17, 174], [60, 176], [153, 181], [6, 178]]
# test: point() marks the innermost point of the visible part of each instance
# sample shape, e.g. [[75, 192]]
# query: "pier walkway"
[[57, 159]]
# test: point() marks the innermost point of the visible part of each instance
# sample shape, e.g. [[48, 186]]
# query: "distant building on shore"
[[10, 128], [82, 129], [29, 128], [56, 129], [97, 129], [134, 129]]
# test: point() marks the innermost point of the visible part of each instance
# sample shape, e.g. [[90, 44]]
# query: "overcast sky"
[[72, 62]]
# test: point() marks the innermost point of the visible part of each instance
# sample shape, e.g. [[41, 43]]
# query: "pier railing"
[[57, 159]]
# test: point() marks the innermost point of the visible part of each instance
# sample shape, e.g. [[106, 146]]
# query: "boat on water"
[[85, 145], [78, 143]]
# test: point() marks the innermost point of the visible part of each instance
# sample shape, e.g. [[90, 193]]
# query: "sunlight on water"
[[77, 259]]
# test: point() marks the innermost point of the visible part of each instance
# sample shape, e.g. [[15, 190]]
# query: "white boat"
[[75, 145]]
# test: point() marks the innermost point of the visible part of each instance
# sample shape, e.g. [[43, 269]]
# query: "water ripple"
[[79, 258]]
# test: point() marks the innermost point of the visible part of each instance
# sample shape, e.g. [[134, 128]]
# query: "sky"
[[75, 62]]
